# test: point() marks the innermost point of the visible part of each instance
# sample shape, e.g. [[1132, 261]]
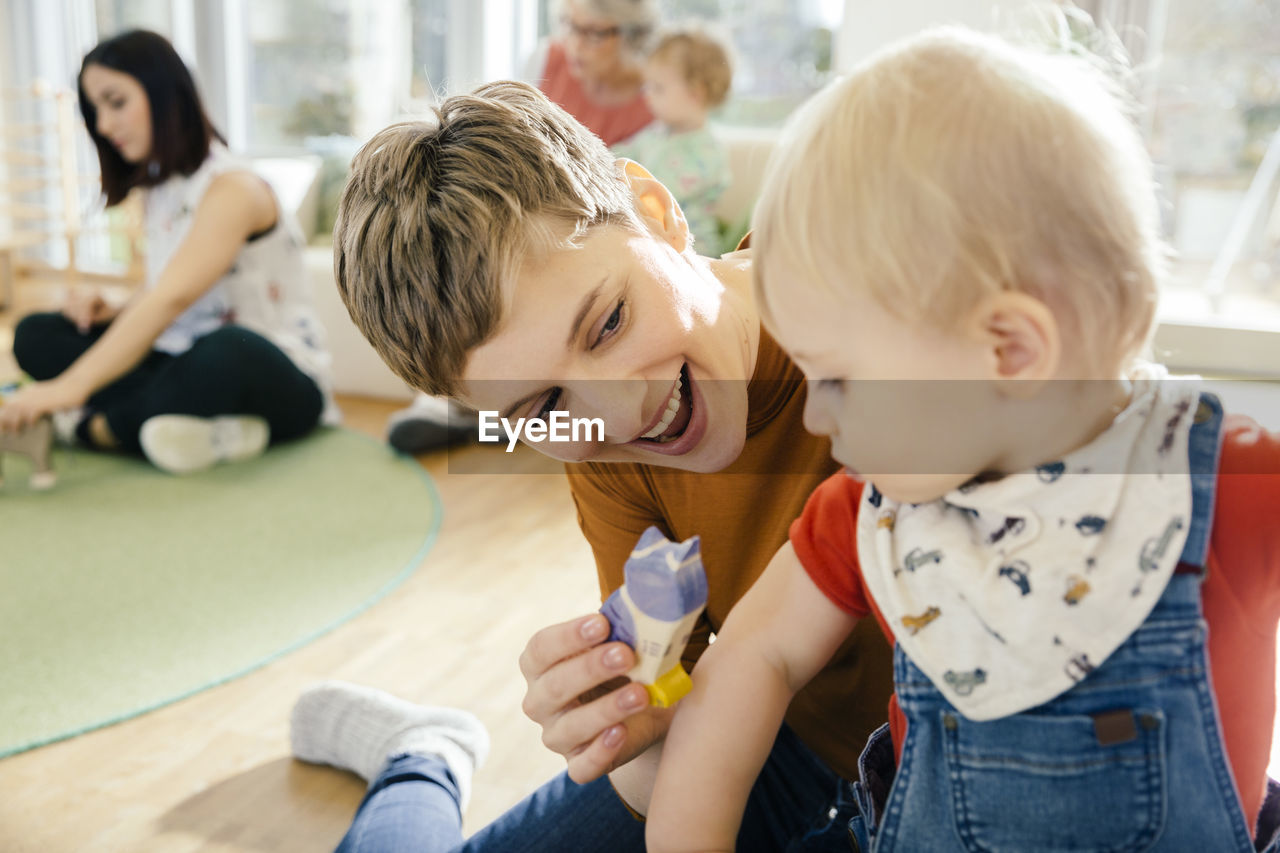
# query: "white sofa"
[[749, 149]]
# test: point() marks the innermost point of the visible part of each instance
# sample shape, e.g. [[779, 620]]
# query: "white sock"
[[359, 728]]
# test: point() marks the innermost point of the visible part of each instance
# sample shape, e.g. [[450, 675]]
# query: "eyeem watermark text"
[[558, 428]]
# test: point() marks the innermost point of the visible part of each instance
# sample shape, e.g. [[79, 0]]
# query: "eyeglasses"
[[590, 35]]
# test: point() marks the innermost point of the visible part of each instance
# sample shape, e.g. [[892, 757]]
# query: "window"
[[1215, 135], [115, 16], [430, 27], [783, 50], [300, 57]]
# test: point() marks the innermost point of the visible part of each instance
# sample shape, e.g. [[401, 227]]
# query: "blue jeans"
[[413, 805], [1130, 759]]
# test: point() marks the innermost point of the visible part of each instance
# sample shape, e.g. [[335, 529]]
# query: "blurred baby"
[[687, 75]]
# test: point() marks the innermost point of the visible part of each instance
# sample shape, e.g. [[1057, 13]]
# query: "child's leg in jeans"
[[405, 810], [411, 805], [412, 802], [419, 760]]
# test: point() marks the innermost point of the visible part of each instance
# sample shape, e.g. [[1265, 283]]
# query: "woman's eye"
[[612, 324], [830, 384], [549, 405]]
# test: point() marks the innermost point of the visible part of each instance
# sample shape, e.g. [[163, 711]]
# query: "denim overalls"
[[1130, 759]]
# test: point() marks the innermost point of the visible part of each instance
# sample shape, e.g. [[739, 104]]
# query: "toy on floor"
[[35, 442], [654, 611]]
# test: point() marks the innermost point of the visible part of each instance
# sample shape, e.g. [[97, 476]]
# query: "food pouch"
[[654, 611]]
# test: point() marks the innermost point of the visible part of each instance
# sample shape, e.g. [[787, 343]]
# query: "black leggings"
[[231, 371]]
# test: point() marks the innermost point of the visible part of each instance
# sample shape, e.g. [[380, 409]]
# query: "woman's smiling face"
[[629, 330]]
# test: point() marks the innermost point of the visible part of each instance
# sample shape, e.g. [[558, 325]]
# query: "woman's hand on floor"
[[37, 400], [578, 693]]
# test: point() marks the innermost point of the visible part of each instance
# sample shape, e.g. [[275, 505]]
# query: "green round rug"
[[124, 588]]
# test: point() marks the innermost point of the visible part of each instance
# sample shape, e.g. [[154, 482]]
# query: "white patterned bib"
[[1008, 593]]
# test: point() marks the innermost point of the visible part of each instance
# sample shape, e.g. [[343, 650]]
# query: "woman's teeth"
[[673, 408]]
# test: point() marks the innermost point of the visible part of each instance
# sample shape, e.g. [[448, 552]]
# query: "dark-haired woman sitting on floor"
[[221, 353]]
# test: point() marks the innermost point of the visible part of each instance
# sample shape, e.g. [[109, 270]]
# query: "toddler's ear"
[[657, 207], [1021, 338]]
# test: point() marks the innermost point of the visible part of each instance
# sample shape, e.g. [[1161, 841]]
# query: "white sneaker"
[[185, 444]]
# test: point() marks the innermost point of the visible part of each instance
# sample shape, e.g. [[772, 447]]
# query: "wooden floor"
[[213, 772]]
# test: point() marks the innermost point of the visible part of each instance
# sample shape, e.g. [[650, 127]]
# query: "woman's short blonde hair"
[[438, 217], [703, 59], [954, 165]]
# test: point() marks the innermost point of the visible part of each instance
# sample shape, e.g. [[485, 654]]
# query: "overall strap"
[[1204, 447]]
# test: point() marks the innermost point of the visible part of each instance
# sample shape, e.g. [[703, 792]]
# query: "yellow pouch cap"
[[670, 687]]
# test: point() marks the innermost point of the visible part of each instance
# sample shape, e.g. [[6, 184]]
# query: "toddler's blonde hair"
[[704, 60], [955, 165]]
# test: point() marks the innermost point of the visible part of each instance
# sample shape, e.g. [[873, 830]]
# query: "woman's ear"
[[655, 204], [1021, 338]]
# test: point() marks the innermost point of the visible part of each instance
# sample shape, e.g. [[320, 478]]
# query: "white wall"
[[488, 40], [380, 52], [871, 24]]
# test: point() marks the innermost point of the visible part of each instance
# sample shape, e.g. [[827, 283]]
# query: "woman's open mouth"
[[681, 424]]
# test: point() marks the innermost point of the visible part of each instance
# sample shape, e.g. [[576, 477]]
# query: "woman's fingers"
[[565, 683], [619, 743], [580, 723], [551, 645], [598, 757], [577, 692]]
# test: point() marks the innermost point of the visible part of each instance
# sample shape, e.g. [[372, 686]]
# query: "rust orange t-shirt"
[[1240, 595], [612, 123], [742, 515]]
